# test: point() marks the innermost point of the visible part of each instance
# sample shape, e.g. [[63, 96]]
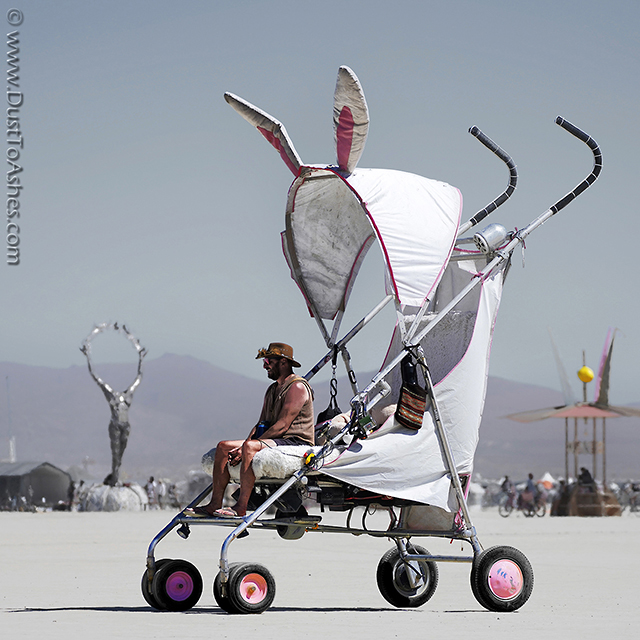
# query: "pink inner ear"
[[276, 144], [344, 137]]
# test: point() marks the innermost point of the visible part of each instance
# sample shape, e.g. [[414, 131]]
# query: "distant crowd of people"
[[530, 495], [161, 494], [560, 494]]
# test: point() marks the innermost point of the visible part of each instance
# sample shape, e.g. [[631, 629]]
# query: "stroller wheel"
[[501, 579], [406, 584], [224, 601], [146, 587], [177, 585], [251, 589], [291, 532]]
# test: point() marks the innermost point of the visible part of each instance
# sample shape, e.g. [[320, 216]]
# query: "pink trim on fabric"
[[375, 227], [459, 518], [470, 251], [277, 145], [364, 248], [344, 137], [295, 194]]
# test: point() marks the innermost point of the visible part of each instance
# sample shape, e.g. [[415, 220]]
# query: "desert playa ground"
[[68, 575]]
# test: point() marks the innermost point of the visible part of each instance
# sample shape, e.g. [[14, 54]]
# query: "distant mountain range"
[[185, 405]]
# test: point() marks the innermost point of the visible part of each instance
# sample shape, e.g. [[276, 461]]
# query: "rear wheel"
[[177, 585], [406, 583], [501, 579]]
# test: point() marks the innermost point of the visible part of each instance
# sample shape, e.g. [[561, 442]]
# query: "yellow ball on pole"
[[586, 374]]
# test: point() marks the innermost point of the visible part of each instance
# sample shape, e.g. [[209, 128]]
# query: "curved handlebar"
[[597, 164], [513, 179]]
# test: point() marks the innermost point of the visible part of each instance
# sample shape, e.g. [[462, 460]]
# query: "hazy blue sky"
[[148, 200]]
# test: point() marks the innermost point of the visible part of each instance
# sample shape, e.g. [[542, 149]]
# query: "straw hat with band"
[[278, 350]]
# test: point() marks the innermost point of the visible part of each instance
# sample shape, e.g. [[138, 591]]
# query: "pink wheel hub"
[[253, 588], [505, 579], [179, 586]]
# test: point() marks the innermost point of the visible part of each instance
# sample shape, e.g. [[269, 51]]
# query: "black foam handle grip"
[[573, 130], [597, 163], [513, 175], [490, 144]]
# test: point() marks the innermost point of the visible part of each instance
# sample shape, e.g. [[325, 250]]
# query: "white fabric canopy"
[[409, 464], [331, 221]]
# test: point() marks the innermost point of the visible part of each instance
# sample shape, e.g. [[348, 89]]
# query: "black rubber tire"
[[177, 585], [223, 601], [541, 509], [252, 588], [291, 532], [501, 579], [392, 579], [146, 592], [505, 509]]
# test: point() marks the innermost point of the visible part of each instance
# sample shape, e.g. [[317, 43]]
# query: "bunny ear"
[[270, 128], [350, 119]]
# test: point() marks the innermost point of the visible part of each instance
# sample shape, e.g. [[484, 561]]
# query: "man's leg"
[[247, 477], [220, 476]]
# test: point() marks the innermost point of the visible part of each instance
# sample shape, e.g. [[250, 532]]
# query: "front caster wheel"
[[177, 585], [223, 601], [146, 587], [501, 579], [251, 589], [406, 584]]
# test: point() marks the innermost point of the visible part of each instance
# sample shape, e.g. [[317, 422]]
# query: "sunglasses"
[[271, 361]]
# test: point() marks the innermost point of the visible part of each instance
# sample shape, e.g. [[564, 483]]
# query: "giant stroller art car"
[[408, 442]]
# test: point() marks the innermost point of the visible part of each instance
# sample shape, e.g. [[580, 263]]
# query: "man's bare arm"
[[297, 395]]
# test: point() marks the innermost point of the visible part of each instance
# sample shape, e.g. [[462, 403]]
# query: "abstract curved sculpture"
[[119, 401]]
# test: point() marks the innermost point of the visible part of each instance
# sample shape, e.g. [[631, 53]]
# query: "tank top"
[[303, 424]]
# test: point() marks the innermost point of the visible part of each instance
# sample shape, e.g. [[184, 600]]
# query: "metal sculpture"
[[119, 401]]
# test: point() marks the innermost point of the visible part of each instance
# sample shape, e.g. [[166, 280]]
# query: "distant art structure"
[[119, 401]]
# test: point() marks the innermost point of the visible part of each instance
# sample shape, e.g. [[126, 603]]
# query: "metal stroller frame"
[[407, 575]]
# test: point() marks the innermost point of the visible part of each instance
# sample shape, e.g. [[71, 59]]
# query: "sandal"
[[225, 512], [197, 512]]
